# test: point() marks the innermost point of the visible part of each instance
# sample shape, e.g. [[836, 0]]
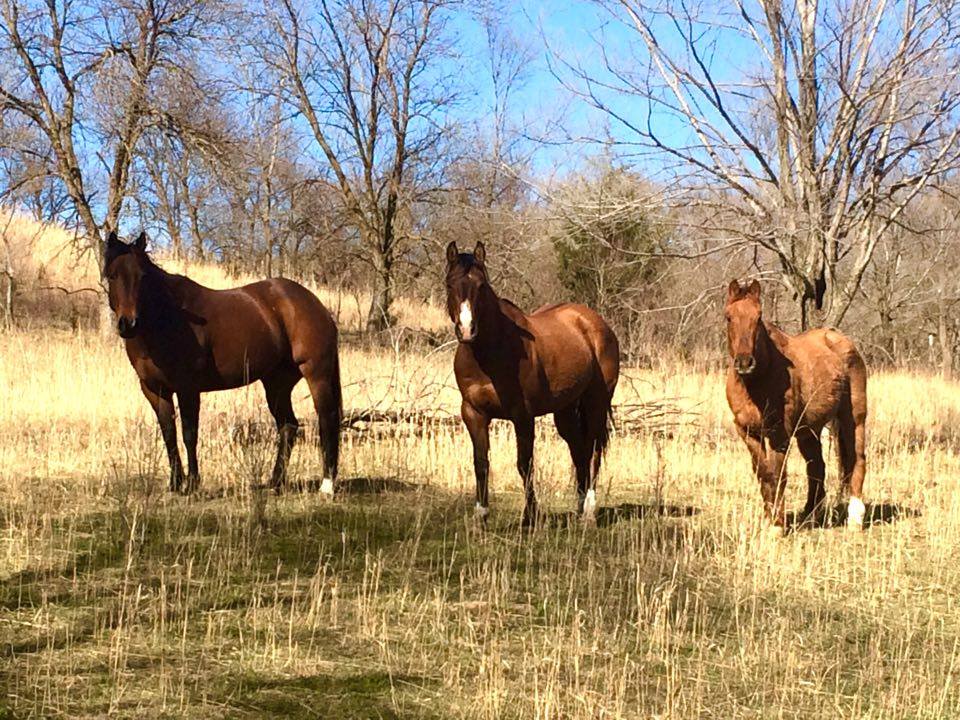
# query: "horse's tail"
[[603, 436], [331, 424], [849, 426], [607, 354], [337, 388]]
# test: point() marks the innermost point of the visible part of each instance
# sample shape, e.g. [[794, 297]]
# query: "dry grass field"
[[118, 598]]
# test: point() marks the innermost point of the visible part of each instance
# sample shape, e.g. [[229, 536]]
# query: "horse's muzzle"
[[127, 327], [744, 364], [467, 335]]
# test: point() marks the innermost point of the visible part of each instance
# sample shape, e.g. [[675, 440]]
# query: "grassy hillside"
[[49, 268], [116, 597]]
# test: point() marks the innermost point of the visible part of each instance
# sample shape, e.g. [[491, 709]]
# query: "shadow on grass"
[[373, 485], [836, 517], [348, 486], [608, 516], [104, 549], [363, 695]]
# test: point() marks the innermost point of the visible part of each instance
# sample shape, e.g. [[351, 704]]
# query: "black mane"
[[118, 248]]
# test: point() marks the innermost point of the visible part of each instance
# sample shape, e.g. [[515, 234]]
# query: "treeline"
[[348, 141]]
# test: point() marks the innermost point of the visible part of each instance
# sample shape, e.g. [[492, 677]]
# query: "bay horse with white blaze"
[[184, 339], [782, 387], [562, 359]]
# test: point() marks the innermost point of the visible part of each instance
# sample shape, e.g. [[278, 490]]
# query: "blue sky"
[[559, 32]]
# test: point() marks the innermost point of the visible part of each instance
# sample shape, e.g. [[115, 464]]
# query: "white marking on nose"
[[855, 513], [466, 318], [326, 487]]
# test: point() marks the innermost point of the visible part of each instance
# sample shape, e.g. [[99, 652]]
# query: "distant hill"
[[56, 282]]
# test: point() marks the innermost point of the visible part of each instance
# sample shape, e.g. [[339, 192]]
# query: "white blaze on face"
[[466, 319], [855, 513]]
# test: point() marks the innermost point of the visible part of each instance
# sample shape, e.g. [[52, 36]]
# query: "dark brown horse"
[[184, 339], [782, 387], [562, 359]]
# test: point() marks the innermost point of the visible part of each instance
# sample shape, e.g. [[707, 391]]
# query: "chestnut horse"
[[783, 386], [184, 339], [563, 359]]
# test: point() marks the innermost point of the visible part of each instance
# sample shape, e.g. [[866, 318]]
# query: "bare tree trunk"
[[946, 340], [8, 299], [379, 318]]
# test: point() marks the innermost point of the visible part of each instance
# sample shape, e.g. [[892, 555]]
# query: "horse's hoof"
[[810, 518], [480, 515], [326, 487], [772, 531], [856, 511], [529, 521], [588, 511]]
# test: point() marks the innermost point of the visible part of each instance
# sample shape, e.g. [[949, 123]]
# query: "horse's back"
[[831, 370], [307, 323], [829, 343], [254, 329], [561, 327]]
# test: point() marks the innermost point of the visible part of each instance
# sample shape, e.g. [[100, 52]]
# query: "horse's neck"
[[174, 294], [777, 346], [496, 328], [180, 290], [772, 373]]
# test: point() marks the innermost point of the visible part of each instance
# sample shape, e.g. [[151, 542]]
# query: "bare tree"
[[806, 127], [76, 68], [365, 76]]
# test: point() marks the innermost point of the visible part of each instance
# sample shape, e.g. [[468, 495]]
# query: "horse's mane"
[[512, 304], [119, 249]]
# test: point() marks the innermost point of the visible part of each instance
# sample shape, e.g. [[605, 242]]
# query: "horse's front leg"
[[767, 468], [190, 418], [774, 487], [478, 425], [525, 431], [161, 401]]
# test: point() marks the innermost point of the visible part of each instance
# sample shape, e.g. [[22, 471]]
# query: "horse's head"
[[744, 324], [467, 288], [125, 266]]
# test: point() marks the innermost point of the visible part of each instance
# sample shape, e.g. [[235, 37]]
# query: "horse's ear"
[[754, 289], [452, 252], [733, 290], [141, 242], [112, 240], [480, 253]]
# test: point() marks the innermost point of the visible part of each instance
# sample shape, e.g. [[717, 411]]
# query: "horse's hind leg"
[[811, 448], [190, 419], [570, 427], [595, 411], [851, 446], [525, 432], [325, 391], [278, 389]]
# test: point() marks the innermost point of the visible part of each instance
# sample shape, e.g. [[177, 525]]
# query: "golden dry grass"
[[116, 597]]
